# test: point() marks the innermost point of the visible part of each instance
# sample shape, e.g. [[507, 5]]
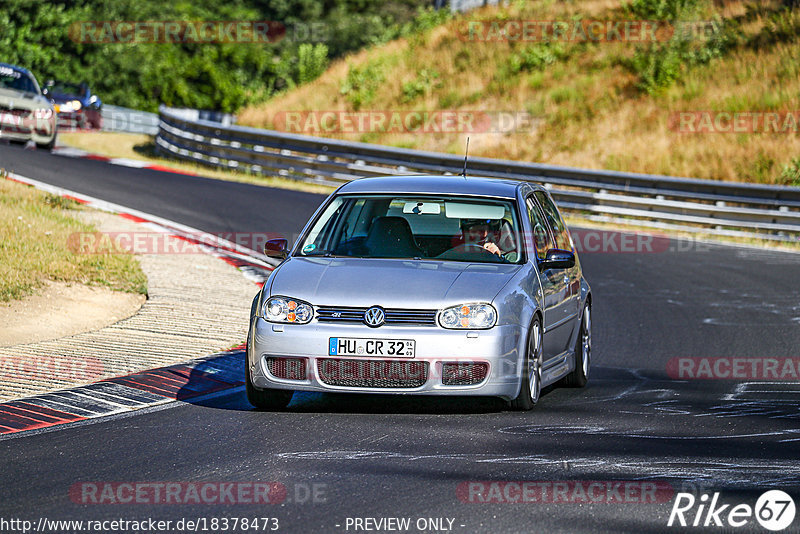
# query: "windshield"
[[14, 79], [66, 88], [424, 227]]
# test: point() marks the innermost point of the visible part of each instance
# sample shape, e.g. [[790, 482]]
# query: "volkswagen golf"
[[423, 285]]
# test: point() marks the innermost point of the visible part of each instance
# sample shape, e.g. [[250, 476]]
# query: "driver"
[[483, 233]]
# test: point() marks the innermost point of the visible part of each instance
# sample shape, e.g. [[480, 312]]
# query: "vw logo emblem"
[[374, 317]]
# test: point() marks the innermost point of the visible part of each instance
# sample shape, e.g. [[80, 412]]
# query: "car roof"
[[16, 67], [436, 184]]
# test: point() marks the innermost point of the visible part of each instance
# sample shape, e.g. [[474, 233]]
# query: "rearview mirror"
[[557, 259], [277, 248]]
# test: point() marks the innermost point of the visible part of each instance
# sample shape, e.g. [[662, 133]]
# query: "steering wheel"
[[469, 248]]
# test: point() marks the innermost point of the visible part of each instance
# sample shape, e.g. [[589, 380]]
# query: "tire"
[[583, 352], [264, 399], [49, 145], [46, 146], [531, 386]]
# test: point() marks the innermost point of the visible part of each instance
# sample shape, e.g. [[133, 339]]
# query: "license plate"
[[353, 346]]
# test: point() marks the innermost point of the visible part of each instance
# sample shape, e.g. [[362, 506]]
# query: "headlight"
[[287, 310], [69, 107], [470, 316]]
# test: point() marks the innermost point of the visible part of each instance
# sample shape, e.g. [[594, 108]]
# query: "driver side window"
[[540, 237], [554, 221]]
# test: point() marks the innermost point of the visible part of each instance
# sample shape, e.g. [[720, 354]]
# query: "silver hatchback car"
[[424, 285]]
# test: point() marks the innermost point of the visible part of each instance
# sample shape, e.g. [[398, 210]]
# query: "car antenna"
[[466, 153]]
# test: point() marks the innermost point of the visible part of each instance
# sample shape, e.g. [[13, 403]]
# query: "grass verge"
[[35, 230]]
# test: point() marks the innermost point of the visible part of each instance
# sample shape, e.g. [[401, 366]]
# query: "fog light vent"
[[287, 368], [464, 373]]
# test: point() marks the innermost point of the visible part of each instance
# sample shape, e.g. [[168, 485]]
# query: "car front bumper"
[[26, 127], [500, 347]]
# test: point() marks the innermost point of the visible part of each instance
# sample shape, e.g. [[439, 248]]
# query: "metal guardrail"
[[119, 119], [707, 206], [461, 6]]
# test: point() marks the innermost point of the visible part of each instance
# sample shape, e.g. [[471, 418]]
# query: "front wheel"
[[264, 399], [531, 386], [583, 352], [47, 146]]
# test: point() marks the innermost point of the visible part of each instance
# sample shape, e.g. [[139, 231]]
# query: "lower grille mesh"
[[373, 373], [463, 374], [287, 368]]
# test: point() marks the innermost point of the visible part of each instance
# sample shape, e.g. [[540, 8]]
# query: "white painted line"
[[126, 162], [69, 152]]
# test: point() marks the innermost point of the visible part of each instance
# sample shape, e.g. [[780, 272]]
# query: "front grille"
[[372, 373], [287, 368], [17, 112], [463, 373], [394, 316]]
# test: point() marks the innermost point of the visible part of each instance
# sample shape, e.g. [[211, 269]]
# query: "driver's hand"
[[493, 248]]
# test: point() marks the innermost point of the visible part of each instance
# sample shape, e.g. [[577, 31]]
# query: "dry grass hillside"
[[605, 105]]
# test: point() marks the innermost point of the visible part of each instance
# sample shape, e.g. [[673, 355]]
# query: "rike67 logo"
[[774, 510]]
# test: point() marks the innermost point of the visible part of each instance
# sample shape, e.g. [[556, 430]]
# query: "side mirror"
[[277, 248], [557, 259]]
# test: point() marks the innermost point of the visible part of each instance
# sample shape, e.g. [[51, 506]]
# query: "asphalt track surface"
[[369, 456]]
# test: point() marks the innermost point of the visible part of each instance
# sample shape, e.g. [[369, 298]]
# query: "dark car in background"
[[75, 104]]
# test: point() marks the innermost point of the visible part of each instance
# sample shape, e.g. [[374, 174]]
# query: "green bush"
[[312, 60], [423, 84], [660, 9], [781, 25], [536, 56], [791, 173], [361, 84], [531, 58], [658, 65]]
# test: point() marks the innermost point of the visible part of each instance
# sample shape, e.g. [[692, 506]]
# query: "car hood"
[[21, 99], [60, 97], [412, 284]]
